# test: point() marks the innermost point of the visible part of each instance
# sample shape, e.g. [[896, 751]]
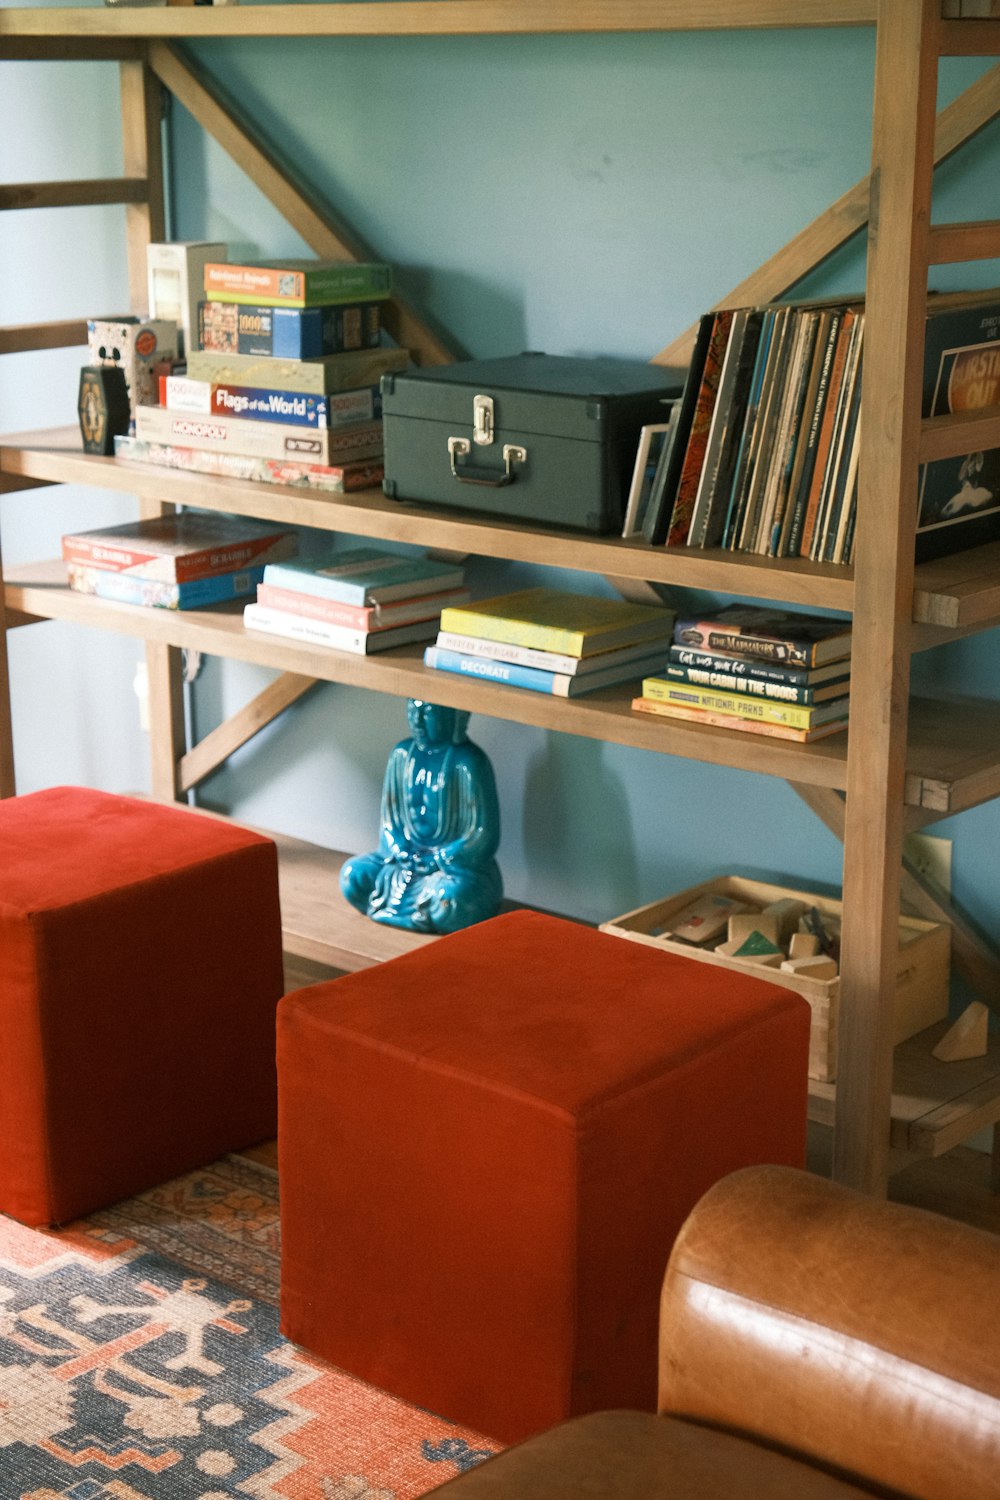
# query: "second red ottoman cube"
[[486, 1149], [140, 972]]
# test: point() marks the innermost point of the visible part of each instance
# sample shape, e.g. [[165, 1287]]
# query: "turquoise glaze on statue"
[[434, 869]]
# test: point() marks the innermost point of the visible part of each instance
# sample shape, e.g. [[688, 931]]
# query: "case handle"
[[475, 474]]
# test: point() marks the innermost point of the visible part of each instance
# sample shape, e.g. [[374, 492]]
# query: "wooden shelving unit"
[[903, 764]]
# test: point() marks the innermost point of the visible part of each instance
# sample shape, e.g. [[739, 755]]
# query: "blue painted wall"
[[581, 195]]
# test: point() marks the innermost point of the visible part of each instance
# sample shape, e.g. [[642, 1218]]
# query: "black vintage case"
[[543, 438]]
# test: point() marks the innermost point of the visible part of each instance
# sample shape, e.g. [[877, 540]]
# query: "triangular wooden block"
[[967, 1038]]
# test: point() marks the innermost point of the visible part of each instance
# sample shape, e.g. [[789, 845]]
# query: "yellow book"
[[739, 705], [734, 721], [554, 620]]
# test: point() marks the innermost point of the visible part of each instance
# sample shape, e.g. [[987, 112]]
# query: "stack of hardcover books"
[[182, 561], [756, 669], [284, 386], [551, 641], [359, 600]]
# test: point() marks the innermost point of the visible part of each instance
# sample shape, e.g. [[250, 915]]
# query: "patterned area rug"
[[140, 1359]]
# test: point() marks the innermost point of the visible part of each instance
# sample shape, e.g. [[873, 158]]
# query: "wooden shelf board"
[[935, 1105], [39, 592], [952, 595], [953, 762], [318, 925], [431, 18], [962, 590], [56, 457]]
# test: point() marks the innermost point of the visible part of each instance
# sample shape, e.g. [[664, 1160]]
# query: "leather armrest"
[[857, 1334]]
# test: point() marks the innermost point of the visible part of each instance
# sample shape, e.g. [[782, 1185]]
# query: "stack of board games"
[[182, 561], [291, 407], [359, 600], [551, 641], [758, 670]]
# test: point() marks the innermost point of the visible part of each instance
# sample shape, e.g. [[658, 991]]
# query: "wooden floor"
[[956, 1184]]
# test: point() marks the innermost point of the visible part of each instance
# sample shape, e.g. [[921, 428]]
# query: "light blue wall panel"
[[581, 195]]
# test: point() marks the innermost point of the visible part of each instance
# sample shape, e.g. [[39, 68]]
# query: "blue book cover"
[[364, 576], [155, 594], [557, 684]]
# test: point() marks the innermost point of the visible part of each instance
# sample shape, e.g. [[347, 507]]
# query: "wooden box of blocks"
[[921, 977]]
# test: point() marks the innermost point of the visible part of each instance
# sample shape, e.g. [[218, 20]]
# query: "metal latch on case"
[[482, 420], [483, 434]]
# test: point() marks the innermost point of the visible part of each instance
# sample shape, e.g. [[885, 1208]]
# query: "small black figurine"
[[103, 407]]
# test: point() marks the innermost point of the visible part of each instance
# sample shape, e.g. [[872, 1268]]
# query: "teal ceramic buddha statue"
[[434, 869]]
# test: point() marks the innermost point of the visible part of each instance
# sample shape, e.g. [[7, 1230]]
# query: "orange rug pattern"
[[140, 1359]]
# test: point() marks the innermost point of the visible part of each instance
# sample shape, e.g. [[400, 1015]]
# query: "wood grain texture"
[[64, 334], [71, 194], [435, 18], [902, 165], [215, 748]]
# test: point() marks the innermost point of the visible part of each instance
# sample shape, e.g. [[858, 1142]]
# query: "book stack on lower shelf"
[[551, 641], [284, 386], [360, 600], [181, 561], [758, 670]]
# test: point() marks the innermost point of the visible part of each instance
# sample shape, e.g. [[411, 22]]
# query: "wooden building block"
[[742, 924], [967, 1037], [818, 967], [786, 912], [803, 945]]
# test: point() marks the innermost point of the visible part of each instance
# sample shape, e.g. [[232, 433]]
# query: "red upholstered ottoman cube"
[[487, 1147], [140, 970]]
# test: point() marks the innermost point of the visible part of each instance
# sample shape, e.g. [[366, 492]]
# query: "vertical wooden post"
[[143, 158], [144, 223], [167, 737], [902, 166], [7, 784]]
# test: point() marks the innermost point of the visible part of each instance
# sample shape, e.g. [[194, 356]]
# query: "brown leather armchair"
[[815, 1344]]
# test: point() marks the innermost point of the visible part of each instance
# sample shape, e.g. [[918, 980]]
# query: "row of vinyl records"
[[761, 452]]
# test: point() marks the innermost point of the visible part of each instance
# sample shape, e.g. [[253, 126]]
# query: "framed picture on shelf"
[[651, 442]]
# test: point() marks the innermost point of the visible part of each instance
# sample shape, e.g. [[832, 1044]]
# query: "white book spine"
[[321, 632], [158, 424], [522, 656]]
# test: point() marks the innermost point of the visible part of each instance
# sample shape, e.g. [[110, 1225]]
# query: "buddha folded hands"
[[434, 869]]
